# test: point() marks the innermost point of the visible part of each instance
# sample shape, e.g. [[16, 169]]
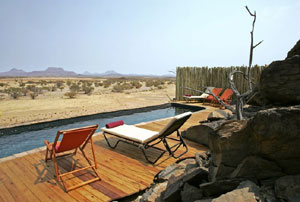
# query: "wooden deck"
[[124, 171]]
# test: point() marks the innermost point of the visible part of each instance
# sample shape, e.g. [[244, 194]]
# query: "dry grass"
[[51, 102]]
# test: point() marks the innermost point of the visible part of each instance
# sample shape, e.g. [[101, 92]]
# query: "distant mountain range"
[[60, 72], [50, 71]]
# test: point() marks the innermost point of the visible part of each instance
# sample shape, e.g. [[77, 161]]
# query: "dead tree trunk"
[[240, 98]]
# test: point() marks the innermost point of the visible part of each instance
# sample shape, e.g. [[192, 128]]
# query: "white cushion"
[[132, 132], [204, 95]]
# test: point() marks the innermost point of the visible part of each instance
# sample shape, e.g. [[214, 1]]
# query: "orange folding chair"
[[226, 97], [72, 139], [210, 98]]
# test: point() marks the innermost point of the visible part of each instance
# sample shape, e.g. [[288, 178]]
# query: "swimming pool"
[[24, 138]]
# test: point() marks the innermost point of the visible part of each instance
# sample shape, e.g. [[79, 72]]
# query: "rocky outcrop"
[[200, 133], [294, 51], [264, 147], [247, 191], [287, 188], [280, 81]]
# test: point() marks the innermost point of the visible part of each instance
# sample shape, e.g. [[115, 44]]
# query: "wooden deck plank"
[[25, 173], [123, 171], [5, 193], [12, 184]]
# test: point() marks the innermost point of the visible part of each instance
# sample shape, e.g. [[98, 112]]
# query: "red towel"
[[188, 95], [114, 124]]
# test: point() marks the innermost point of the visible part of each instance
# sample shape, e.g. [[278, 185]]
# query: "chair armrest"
[[48, 145]]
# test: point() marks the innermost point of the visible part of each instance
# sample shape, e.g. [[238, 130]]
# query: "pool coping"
[[21, 154]]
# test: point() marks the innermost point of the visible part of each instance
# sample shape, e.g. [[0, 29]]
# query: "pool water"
[[31, 139]]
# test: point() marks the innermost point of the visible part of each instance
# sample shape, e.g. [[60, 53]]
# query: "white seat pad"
[[132, 133], [204, 95]]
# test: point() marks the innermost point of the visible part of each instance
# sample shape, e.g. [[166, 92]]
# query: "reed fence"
[[200, 77]]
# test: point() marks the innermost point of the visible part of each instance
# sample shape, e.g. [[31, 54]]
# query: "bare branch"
[[249, 11], [258, 44]]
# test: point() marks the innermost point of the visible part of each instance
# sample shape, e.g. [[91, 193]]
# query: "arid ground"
[[30, 100]]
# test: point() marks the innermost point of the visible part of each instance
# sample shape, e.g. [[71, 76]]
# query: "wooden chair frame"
[[53, 155]]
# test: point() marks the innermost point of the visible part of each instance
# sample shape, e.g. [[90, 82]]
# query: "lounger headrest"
[[175, 123], [114, 124], [180, 116]]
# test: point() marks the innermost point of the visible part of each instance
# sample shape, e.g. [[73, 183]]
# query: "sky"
[[143, 36]]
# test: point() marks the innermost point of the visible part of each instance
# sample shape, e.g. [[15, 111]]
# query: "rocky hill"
[[49, 72]]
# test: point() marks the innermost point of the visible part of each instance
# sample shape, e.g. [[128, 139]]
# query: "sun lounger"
[[145, 139], [195, 97], [72, 139], [204, 95]]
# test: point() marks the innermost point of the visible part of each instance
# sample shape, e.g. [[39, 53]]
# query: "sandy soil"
[[54, 105]]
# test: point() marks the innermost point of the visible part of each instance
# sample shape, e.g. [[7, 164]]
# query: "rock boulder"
[[268, 142], [280, 82], [294, 51]]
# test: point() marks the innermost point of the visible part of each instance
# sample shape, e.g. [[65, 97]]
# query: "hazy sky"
[[143, 36]]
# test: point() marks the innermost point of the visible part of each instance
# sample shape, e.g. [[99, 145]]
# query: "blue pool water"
[[30, 139]]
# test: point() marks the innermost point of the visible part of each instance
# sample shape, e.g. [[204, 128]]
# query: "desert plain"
[[32, 100]]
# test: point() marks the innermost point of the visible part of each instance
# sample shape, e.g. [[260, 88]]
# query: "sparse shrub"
[[43, 82], [107, 83], [21, 84], [32, 88], [87, 89], [2, 84], [74, 87], [71, 94], [47, 88], [158, 83], [69, 83], [15, 93], [61, 88], [35, 89], [97, 84], [136, 84], [53, 88], [59, 84], [122, 87], [24, 91], [33, 95], [159, 87], [149, 83]]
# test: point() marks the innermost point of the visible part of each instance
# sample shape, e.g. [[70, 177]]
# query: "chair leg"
[[93, 152], [94, 167], [109, 144], [46, 156], [55, 166], [146, 157]]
